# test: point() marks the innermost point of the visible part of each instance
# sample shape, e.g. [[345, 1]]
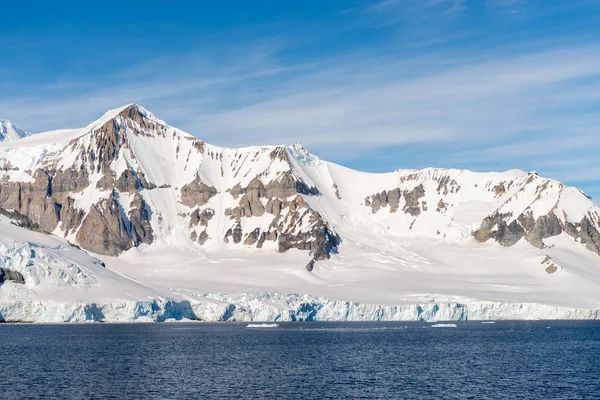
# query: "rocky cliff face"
[[130, 179]]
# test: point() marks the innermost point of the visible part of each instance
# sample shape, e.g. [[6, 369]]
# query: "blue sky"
[[373, 85]]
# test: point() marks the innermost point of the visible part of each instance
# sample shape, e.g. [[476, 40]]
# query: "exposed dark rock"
[[199, 145], [534, 230], [201, 217], [279, 154], [70, 216], [274, 206], [197, 193], [310, 266], [107, 182], [11, 275], [589, 235], [252, 237], [495, 227], [303, 188], [235, 232], [320, 240], [69, 181], [20, 220], [551, 267], [42, 204], [284, 186], [393, 199], [383, 199], [411, 199], [571, 229], [447, 185], [441, 206], [544, 227], [145, 184], [508, 235], [499, 189], [127, 182], [375, 202], [139, 219], [32, 200], [202, 237], [103, 230], [337, 191]]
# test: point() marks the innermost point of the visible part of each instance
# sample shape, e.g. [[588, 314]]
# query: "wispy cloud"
[[527, 105]]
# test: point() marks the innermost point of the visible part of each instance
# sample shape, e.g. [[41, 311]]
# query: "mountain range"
[[132, 219]]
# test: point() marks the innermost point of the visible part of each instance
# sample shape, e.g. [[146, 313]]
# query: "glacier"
[[270, 307]]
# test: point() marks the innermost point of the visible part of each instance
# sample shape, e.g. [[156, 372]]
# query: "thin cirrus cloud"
[[492, 113]]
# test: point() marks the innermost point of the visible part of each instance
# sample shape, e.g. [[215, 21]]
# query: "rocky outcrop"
[[319, 239], [412, 198], [589, 235], [541, 228], [12, 276], [129, 181], [535, 230], [337, 191], [391, 198], [252, 237], [200, 218], [550, 266], [19, 219], [294, 223], [286, 185], [104, 230], [250, 204], [69, 181], [70, 216], [235, 233], [43, 203], [447, 185], [139, 221], [495, 227], [197, 193], [383, 199]]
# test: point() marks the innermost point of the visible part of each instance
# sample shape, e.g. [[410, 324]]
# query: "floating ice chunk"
[[444, 326], [488, 322], [262, 326]]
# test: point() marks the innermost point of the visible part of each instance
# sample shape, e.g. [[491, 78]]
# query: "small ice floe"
[[262, 326], [488, 322], [444, 326]]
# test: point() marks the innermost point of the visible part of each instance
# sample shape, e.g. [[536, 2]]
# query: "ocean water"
[[505, 360]]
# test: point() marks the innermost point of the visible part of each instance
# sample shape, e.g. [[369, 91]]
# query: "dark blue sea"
[[505, 360]]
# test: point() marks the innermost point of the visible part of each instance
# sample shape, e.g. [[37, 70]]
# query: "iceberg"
[[262, 326]]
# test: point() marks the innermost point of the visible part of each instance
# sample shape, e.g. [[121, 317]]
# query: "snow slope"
[[175, 228]]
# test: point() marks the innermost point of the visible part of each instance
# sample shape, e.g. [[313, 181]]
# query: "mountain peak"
[[133, 112], [9, 131]]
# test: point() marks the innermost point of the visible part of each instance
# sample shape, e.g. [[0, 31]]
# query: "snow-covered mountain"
[[9, 131], [189, 225]]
